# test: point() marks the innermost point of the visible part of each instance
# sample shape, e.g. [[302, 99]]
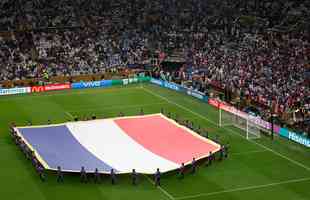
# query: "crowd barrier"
[[172, 86]]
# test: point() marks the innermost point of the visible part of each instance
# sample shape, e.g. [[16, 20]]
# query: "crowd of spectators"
[[256, 48], [273, 73]]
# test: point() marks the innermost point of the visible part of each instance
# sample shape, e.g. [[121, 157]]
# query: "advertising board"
[[197, 95], [91, 84], [50, 87], [295, 137], [11, 91]]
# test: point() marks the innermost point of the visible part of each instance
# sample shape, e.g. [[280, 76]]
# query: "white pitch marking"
[[69, 114], [244, 188], [229, 130], [160, 188]]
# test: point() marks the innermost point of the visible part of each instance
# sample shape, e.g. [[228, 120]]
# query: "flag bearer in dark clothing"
[[194, 166], [40, 170], [182, 171], [97, 176], [191, 125], [157, 177], [206, 134], [221, 153], [134, 177], [226, 148], [60, 177], [113, 177], [83, 175], [169, 115], [210, 159], [141, 111], [33, 158]]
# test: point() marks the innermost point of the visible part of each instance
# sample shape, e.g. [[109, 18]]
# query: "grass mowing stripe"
[[117, 106], [160, 188], [244, 188], [229, 130]]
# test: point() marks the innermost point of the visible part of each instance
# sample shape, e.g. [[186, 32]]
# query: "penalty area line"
[[229, 130], [244, 188], [160, 188]]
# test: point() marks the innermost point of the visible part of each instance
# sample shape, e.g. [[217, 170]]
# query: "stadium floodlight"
[[252, 131]]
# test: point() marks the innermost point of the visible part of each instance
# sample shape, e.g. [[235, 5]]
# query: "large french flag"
[[143, 143]]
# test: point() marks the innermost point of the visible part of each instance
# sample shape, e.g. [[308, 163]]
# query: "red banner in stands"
[[50, 87]]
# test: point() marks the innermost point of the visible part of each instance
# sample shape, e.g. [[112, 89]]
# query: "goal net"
[[251, 130]]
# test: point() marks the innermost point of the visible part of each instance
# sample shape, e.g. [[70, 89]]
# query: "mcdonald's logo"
[[37, 88]]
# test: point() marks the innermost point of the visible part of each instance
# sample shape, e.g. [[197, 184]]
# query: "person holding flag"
[[113, 177], [157, 177], [97, 176], [134, 177], [83, 175], [194, 166], [182, 171], [60, 177]]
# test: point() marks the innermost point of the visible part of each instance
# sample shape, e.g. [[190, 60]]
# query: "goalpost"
[[251, 130]]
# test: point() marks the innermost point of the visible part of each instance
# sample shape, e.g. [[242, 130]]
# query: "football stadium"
[[156, 100]]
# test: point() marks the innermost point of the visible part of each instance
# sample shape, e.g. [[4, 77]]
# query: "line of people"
[[28, 152], [96, 176]]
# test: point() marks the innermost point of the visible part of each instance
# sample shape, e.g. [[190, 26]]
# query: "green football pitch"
[[255, 169]]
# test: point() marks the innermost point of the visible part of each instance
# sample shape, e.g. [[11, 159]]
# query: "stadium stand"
[[256, 50]]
